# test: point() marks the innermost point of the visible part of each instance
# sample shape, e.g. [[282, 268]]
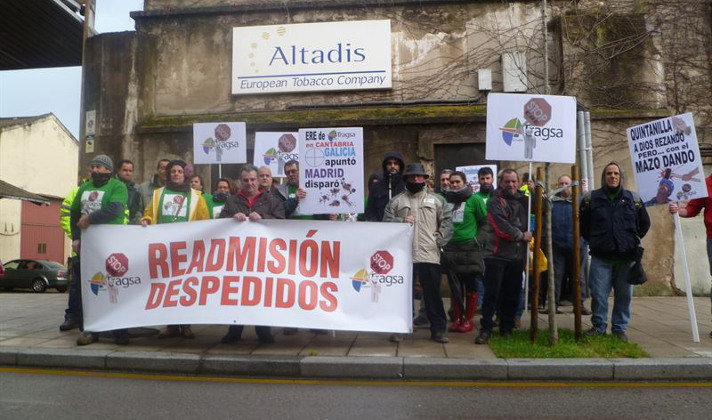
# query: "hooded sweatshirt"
[[613, 220], [382, 192]]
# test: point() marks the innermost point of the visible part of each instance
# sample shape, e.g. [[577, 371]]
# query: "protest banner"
[[531, 128], [471, 173], [331, 170], [301, 274], [668, 168], [666, 160], [219, 143]]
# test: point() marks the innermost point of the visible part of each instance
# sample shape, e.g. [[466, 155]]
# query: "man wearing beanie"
[[613, 220], [101, 200], [431, 219]]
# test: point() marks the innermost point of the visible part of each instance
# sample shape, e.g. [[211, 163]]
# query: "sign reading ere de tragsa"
[[311, 57]]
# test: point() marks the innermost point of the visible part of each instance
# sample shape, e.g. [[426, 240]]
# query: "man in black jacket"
[[390, 185], [504, 240], [613, 220], [255, 204]]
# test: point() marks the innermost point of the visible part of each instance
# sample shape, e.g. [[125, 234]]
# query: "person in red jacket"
[[693, 208]]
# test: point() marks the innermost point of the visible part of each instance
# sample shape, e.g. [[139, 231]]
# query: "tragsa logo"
[[381, 263], [117, 265], [270, 156], [512, 131]]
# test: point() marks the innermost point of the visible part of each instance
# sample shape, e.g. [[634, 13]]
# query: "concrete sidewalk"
[[29, 336]]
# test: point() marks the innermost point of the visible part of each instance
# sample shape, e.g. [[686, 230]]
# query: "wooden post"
[[539, 191], [576, 177], [551, 292]]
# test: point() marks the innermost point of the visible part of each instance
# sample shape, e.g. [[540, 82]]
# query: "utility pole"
[[551, 296]]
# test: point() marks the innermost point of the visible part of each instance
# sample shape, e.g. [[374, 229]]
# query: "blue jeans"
[[74, 303], [603, 277]]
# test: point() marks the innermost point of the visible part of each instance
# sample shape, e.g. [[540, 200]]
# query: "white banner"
[[274, 150], [531, 128], [331, 170], [219, 143], [666, 159], [289, 273], [308, 57], [473, 180]]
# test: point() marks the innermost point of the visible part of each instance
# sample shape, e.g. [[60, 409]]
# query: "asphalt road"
[[34, 394]]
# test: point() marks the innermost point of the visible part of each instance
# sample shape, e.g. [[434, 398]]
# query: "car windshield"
[[52, 264], [12, 265]]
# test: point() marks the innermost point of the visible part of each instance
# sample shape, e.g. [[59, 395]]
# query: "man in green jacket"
[[101, 200]]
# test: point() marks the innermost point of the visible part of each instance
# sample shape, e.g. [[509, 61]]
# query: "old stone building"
[[626, 61]]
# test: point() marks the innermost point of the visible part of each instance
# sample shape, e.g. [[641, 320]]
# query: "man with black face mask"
[[431, 218], [389, 185], [101, 200]]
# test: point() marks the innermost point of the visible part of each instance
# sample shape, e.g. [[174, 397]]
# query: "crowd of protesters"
[[477, 240]]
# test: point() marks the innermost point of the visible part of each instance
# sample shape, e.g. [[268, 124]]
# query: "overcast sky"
[[34, 92]]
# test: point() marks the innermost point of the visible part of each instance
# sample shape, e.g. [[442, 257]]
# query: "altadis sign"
[[308, 57], [289, 273], [531, 128]]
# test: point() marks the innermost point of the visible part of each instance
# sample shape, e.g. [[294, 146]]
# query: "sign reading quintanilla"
[[531, 128], [310, 57], [667, 161]]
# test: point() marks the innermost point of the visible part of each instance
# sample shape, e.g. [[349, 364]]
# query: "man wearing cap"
[[432, 221], [101, 200]]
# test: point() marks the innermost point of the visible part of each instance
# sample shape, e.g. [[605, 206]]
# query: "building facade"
[[626, 61], [37, 154]]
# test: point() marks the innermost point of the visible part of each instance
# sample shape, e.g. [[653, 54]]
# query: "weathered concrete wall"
[[436, 50], [41, 145], [621, 58], [111, 89]]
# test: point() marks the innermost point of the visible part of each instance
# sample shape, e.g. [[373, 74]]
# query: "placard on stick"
[[331, 170], [531, 128], [274, 149], [219, 143], [666, 160]]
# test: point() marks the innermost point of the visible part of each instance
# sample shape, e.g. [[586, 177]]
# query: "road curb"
[[440, 368], [570, 369], [352, 367], [363, 367]]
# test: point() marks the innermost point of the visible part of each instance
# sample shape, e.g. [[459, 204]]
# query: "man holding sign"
[[613, 220], [693, 209]]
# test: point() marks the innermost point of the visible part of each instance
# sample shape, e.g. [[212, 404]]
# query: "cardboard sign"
[[666, 160], [331, 170], [531, 128], [219, 143], [274, 149], [288, 273]]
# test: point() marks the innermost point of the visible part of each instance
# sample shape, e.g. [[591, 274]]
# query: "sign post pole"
[[688, 285]]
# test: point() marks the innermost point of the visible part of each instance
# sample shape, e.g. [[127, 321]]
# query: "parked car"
[[38, 275]]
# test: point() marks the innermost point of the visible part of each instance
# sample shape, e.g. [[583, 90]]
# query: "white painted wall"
[[40, 157]]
